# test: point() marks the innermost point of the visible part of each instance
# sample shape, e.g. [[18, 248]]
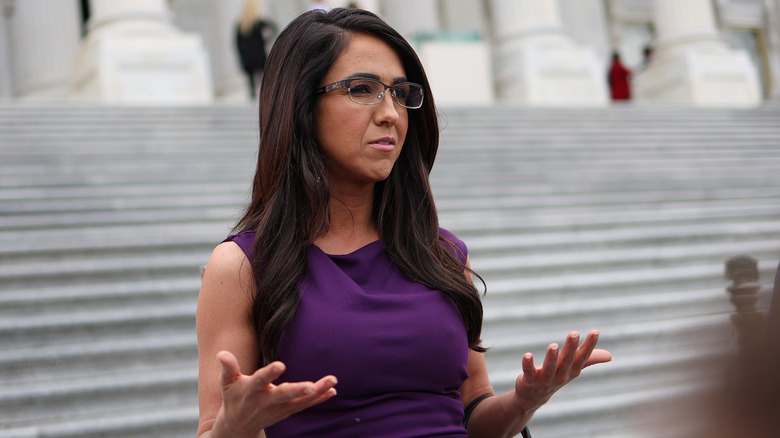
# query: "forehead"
[[367, 54]]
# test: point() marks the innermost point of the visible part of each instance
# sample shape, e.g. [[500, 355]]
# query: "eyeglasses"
[[371, 92]]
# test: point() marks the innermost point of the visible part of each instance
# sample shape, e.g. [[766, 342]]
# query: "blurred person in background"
[[619, 78], [253, 34]]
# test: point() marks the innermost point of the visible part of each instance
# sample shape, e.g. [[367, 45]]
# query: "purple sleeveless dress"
[[398, 348]]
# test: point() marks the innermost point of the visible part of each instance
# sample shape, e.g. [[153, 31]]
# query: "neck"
[[352, 224]]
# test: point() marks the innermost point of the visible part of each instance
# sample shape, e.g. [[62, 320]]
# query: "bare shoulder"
[[228, 271], [227, 290]]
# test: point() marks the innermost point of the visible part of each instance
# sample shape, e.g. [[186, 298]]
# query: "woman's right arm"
[[236, 399]]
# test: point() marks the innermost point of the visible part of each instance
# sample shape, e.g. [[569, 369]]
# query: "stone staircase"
[[617, 219]]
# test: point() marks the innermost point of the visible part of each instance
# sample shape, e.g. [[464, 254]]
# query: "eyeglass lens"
[[367, 91]]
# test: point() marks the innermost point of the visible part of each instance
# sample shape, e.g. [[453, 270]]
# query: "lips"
[[384, 143]]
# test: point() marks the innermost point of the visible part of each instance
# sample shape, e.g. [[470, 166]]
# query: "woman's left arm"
[[506, 415]]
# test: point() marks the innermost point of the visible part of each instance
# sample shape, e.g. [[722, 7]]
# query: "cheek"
[[402, 128], [340, 131]]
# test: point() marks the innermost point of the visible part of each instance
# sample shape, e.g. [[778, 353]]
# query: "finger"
[[266, 375], [328, 394], [230, 372], [325, 383], [529, 370], [304, 402], [307, 390], [550, 365], [290, 391], [586, 349], [598, 356], [323, 390], [569, 351]]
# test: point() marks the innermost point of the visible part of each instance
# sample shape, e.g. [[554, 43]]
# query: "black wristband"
[[470, 408]]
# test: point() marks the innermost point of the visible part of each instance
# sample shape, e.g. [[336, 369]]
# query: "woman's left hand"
[[536, 385]]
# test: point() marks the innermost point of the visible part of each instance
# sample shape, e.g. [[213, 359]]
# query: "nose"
[[387, 112]]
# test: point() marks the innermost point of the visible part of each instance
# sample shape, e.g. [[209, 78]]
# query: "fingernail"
[[308, 391], [333, 381]]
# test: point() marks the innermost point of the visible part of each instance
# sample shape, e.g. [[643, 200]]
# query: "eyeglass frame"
[[344, 83]]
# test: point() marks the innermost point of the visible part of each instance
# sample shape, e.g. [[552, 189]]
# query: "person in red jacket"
[[619, 79]]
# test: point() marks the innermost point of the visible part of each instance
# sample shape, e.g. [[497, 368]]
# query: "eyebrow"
[[397, 80]]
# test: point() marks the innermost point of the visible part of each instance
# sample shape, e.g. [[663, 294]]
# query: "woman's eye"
[[361, 89], [401, 93]]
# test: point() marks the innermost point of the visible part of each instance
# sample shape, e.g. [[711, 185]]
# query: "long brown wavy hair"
[[289, 207]]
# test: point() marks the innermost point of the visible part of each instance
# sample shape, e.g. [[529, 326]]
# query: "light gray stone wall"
[[6, 86], [43, 41]]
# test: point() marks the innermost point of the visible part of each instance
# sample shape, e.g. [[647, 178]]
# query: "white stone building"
[[532, 52]]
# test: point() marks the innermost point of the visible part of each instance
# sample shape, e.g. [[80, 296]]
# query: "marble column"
[[43, 41], [6, 86], [230, 83], [412, 18], [457, 57], [772, 8], [463, 16], [537, 63], [134, 54], [204, 18], [691, 65]]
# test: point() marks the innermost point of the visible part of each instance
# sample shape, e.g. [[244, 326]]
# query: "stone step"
[[21, 275], [128, 203], [66, 298], [604, 311], [118, 323], [618, 235], [625, 199], [96, 395], [622, 340], [69, 220], [564, 287], [472, 223], [124, 190], [30, 364], [590, 259], [28, 177], [176, 421], [71, 242]]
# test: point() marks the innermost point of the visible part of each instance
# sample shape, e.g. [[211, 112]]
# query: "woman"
[[252, 36], [339, 269]]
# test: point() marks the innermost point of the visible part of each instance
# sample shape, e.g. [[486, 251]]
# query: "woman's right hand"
[[250, 403]]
